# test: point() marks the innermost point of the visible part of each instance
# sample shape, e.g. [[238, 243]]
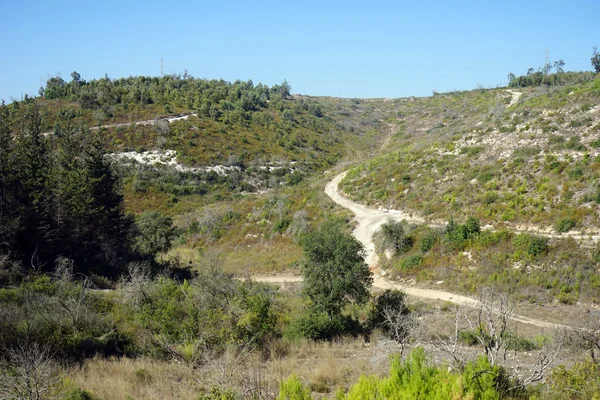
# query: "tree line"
[[217, 99], [544, 75], [59, 198]]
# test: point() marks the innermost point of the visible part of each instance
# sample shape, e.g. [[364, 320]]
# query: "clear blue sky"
[[337, 48]]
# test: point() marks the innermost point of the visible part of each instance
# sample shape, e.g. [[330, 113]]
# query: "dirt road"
[[369, 220]]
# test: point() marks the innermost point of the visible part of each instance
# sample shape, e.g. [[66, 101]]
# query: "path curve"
[[369, 220]]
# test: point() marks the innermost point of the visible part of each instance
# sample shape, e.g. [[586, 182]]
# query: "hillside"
[[526, 165], [191, 238]]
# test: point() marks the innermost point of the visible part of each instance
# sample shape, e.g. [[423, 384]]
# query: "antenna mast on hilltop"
[[547, 65], [161, 66]]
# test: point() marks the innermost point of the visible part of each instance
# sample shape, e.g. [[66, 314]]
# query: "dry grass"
[[141, 378], [323, 366]]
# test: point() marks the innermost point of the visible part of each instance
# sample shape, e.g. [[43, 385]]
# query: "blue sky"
[[335, 48]]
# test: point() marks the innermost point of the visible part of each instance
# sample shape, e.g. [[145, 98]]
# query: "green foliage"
[[428, 241], [537, 78], [213, 312], [292, 388], [533, 245], [64, 202], [316, 325], [457, 235], [596, 59], [77, 394], [564, 225], [156, 233], [335, 272], [582, 379], [411, 261], [65, 316], [395, 238], [219, 394], [416, 379]]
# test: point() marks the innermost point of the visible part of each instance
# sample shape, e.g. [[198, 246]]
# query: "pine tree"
[[31, 172]]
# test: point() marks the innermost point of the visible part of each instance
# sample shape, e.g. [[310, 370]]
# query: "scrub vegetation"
[[136, 213]]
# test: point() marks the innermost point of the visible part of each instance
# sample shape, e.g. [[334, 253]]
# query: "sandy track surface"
[[515, 97]]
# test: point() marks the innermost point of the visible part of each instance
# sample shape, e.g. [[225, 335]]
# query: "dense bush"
[[457, 235], [393, 237], [534, 246], [564, 225], [415, 378]]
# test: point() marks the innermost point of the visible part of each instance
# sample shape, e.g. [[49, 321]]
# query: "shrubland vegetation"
[[138, 273]]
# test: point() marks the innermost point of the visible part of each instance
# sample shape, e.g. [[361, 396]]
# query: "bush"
[[293, 389], [411, 261], [416, 378], [395, 238], [457, 235], [533, 245], [315, 325], [77, 394], [583, 378], [393, 301], [564, 225], [428, 241]]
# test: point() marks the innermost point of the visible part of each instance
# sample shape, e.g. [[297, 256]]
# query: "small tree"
[[156, 233], [335, 272], [395, 238], [285, 89], [596, 59]]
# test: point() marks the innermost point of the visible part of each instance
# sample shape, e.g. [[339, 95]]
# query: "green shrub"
[[532, 245], [575, 144], [315, 325], [468, 338], [281, 225], [564, 225], [293, 389], [219, 394], [411, 261], [428, 241], [576, 172], [583, 379], [395, 238], [416, 378], [519, 343]]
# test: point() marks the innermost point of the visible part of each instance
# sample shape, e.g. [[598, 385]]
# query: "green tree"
[[335, 272], [285, 89], [156, 233], [596, 59]]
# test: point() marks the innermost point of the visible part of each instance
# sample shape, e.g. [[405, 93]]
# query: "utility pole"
[[547, 65], [161, 66]]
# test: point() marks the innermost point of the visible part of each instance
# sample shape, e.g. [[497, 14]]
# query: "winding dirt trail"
[[369, 220]]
